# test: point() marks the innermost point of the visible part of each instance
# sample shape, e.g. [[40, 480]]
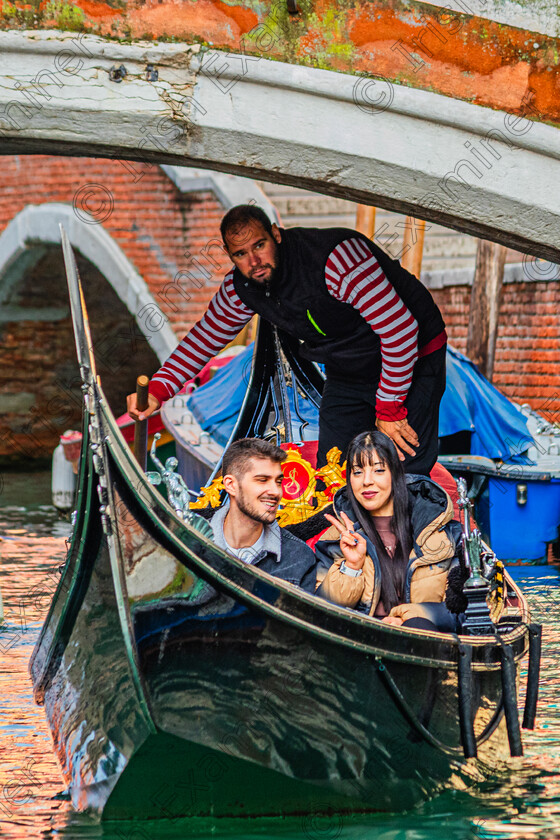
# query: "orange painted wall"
[[460, 55]]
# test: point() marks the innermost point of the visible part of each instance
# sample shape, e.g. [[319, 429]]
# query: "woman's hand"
[[392, 619], [352, 545]]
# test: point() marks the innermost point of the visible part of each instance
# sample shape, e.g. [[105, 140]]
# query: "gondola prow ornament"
[[477, 587], [177, 491]]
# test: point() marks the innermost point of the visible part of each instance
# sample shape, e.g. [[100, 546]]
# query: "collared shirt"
[[269, 540], [247, 552]]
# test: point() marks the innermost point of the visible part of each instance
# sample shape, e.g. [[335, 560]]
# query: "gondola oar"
[[141, 426]]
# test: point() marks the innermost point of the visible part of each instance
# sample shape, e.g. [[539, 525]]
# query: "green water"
[[524, 805]]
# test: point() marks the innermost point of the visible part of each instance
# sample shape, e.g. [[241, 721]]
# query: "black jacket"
[[332, 332], [284, 555], [296, 564]]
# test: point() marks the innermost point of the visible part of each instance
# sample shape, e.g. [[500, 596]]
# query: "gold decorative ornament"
[[300, 498], [209, 496]]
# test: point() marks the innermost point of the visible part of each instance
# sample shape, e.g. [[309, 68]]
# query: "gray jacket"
[[282, 554]]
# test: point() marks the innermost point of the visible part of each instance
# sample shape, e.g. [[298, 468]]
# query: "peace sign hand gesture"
[[352, 545]]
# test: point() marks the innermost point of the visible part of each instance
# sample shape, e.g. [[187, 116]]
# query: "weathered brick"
[[528, 336]]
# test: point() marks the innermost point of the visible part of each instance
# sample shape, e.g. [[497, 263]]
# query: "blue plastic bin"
[[518, 509]]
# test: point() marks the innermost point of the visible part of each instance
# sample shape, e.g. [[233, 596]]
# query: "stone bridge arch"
[[480, 170], [41, 394], [25, 238]]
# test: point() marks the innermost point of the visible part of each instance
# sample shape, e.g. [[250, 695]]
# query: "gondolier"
[[372, 324]]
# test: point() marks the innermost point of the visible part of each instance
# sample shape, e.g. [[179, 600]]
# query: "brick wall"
[[172, 240], [159, 229], [527, 365], [40, 394]]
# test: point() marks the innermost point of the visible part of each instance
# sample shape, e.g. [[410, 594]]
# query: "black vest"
[[332, 332]]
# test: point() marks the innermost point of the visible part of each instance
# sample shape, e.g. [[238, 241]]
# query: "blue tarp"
[[470, 403], [217, 404]]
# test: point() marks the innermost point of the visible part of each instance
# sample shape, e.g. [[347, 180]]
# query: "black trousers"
[[348, 409]]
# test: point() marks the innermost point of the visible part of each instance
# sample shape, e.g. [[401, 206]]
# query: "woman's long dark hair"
[[393, 570]]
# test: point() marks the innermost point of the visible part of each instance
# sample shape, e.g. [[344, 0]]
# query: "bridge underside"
[[477, 170]]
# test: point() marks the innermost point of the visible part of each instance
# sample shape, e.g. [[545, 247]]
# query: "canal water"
[[526, 804]]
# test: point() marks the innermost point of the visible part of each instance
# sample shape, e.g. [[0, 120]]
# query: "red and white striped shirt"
[[223, 320], [353, 276]]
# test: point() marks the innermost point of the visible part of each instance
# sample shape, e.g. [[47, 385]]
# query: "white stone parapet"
[[471, 168]]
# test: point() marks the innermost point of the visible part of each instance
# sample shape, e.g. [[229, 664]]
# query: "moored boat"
[[178, 680]]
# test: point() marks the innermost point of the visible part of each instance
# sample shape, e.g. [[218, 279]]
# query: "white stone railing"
[[484, 172]]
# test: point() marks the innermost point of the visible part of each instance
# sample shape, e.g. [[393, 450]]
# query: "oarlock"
[[477, 587]]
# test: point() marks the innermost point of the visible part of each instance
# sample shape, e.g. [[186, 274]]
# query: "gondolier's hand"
[[153, 405], [403, 436], [352, 545]]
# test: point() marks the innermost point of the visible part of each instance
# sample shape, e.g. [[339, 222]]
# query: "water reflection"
[[523, 804]]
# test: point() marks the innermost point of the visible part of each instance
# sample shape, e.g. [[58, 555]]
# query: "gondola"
[[178, 681]]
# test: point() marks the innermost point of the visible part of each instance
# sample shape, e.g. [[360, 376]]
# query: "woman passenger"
[[390, 548]]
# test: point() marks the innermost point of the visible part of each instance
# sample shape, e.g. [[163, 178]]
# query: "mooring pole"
[[466, 701], [365, 220], [484, 313], [509, 694], [413, 245], [532, 695]]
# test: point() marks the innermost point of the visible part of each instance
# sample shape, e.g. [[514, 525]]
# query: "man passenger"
[[246, 526]]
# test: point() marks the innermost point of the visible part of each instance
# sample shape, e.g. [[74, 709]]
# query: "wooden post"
[[365, 220], [413, 245], [141, 426], [485, 305]]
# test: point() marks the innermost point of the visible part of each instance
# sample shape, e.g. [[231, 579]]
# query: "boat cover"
[[470, 403]]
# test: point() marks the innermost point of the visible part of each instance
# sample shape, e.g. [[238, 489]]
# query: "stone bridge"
[[449, 114]]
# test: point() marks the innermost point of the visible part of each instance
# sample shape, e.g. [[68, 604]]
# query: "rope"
[[416, 724]]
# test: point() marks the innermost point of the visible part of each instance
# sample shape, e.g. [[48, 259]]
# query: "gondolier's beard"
[[254, 510], [267, 273], [267, 279]]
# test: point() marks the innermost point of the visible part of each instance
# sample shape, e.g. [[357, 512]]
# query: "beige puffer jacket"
[[435, 537]]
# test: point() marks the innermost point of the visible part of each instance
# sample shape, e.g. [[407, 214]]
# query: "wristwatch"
[[350, 572]]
